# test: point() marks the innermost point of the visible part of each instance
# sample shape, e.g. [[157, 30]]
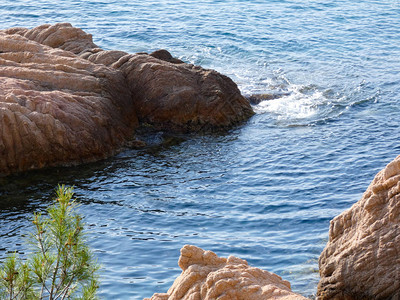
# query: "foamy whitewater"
[[267, 190]]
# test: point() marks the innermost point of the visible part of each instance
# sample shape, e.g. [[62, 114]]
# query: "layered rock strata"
[[362, 257], [63, 100], [207, 276], [58, 109]]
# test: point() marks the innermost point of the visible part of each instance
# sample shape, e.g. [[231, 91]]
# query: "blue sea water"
[[265, 191]]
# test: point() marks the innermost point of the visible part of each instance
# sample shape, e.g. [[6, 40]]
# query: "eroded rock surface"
[[175, 96], [58, 109], [62, 35], [362, 257], [167, 93], [207, 276], [63, 100]]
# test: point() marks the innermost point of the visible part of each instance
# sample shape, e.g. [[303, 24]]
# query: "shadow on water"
[[31, 190]]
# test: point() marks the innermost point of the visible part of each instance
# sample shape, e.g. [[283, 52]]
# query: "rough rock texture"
[[183, 97], [172, 95], [362, 257], [58, 109], [207, 276], [168, 93], [61, 35], [63, 100]]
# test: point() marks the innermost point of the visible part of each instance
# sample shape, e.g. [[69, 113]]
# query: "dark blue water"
[[265, 191]]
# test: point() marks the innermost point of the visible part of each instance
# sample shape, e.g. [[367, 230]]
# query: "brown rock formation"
[[58, 109], [63, 100], [167, 93], [61, 35], [207, 276], [362, 257], [183, 97]]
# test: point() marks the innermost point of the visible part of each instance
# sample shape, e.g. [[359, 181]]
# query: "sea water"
[[266, 190]]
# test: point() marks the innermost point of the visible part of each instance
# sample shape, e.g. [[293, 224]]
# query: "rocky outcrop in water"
[[57, 109], [63, 100], [362, 257], [207, 276], [167, 93]]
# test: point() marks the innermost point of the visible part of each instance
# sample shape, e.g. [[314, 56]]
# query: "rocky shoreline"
[[360, 261], [65, 101]]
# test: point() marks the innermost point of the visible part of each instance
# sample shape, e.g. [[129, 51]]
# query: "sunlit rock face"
[[207, 276], [58, 109], [64, 101], [362, 257]]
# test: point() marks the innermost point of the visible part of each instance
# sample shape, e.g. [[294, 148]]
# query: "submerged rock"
[[362, 257], [63, 100], [258, 98], [207, 276]]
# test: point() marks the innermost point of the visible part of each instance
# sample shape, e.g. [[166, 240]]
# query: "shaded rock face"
[[207, 276], [58, 109], [63, 100], [174, 96], [362, 257], [182, 97]]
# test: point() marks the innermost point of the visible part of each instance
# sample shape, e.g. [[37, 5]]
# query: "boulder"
[[64, 101], [362, 257], [207, 276], [181, 97]]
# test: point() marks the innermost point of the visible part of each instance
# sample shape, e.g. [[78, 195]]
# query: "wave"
[[290, 104]]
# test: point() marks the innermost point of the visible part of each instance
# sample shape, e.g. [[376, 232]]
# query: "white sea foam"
[[297, 103]]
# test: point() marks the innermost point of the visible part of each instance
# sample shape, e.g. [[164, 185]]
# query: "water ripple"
[[267, 190]]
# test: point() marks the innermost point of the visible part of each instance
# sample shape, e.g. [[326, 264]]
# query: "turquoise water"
[[265, 191]]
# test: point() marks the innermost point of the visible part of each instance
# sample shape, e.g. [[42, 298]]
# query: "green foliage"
[[60, 266]]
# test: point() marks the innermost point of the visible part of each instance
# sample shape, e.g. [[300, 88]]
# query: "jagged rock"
[[63, 100], [58, 109], [207, 276], [362, 257]]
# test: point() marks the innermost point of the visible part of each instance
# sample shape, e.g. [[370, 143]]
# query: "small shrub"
[[61, 265]]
